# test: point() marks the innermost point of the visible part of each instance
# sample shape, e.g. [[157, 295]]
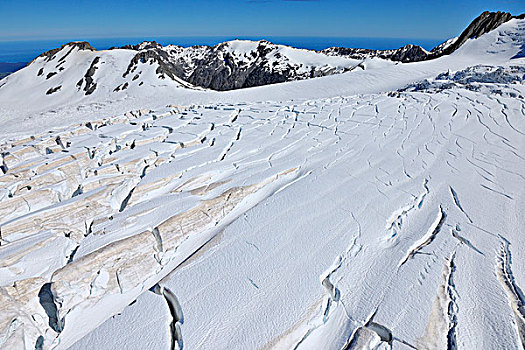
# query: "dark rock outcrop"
[[90, 85], [220, 70], [145, 45], [222, 67], [80, 45], [53, 90], [407, 53], [484, 23], [156, 55]]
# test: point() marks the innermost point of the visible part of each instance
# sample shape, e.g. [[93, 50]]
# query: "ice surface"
[[365, 210]]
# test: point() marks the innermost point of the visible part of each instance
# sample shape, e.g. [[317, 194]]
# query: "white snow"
[[328, 213]]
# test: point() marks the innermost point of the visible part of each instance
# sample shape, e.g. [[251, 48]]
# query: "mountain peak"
[[482, 24], [80, 45], [145, 45]]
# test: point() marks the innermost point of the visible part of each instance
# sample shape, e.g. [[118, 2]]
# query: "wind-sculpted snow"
[[358, 221], [392, 187]]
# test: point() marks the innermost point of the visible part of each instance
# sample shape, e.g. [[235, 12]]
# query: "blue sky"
[[82, 19]]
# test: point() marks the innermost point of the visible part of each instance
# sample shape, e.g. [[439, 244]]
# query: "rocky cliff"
[[484, 23]]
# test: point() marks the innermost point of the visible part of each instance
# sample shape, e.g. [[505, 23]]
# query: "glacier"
[[375, 209]]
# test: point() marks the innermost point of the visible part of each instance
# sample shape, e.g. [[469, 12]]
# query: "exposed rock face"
[[486, 22], [407, 53], [53, 90], [444, 45], [153, 54], [220, 69], [235, 64], [142, 46], [80, 45], [90, 84]]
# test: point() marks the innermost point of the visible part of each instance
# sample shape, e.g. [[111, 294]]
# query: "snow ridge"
[[365, 219]]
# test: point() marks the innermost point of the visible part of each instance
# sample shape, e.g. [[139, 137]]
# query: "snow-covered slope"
[[482, 24], [240, 64], [77, 75], [364, 210], [76, 72], [55, 110]]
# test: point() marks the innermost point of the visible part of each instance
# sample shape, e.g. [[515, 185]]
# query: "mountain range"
[[76, 68]]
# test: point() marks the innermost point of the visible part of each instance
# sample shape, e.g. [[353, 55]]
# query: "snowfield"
[[375, 209]]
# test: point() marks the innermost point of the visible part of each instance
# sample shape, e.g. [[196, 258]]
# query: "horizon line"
[[234, 37]]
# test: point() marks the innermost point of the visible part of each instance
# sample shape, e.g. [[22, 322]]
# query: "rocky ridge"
[[484, 23], [229, 65], [219, 67]]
